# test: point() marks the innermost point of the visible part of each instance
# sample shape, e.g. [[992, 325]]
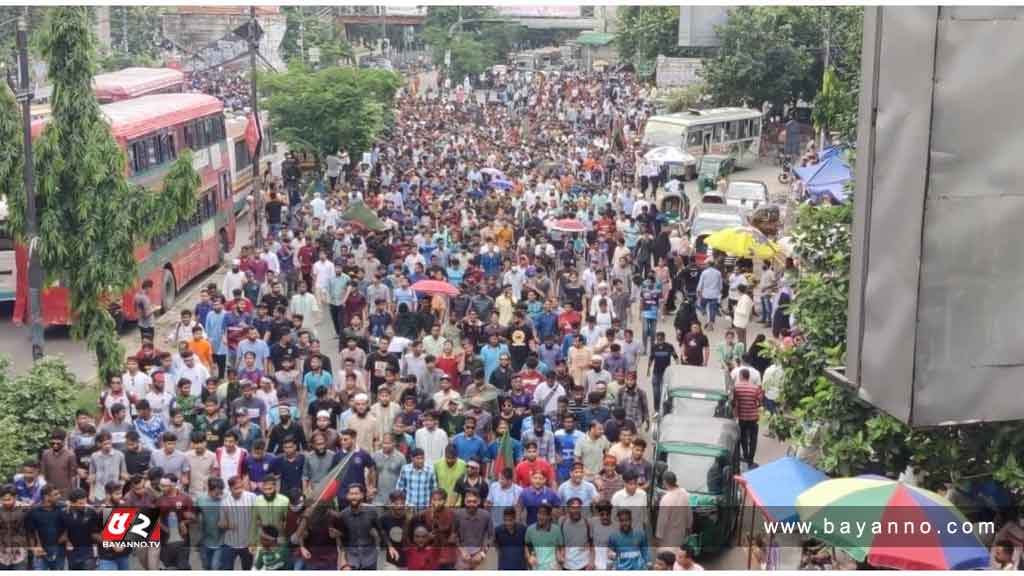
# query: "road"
[[14, 343]]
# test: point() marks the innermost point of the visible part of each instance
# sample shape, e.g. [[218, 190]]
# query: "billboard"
[[934, 336], [697, 24], [676, 72], [539, 11]]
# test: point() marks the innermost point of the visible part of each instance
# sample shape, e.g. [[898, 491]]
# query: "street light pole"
[[257, 192], [35, 272]]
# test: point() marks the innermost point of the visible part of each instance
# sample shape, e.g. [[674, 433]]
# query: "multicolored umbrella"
[[433, 287], [567, 225], [502, 184], [493, 172], [890, 524], [742, 242]]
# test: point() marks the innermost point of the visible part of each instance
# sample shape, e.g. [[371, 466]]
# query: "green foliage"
[[470, 58], [11, 137], [82, 191], [135, 34], [329, 109], [683, 99], [315, 32], [835, 106], [26, 420], [776, 53], [644, 32], [479, 45]]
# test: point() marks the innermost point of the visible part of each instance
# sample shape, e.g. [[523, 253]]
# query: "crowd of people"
[[507, 417], [232, 87]]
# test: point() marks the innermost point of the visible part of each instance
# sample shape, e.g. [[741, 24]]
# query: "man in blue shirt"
[[565, 445], [650, 296], [629, 545], [467, 444], [537, 495], [361, 469], [288, 467]]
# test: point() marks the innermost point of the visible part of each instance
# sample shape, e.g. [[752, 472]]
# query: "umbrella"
[[904, 527], [742, 242], [669, 154], [503, 184], [493, 172], [775, 487], [433, 287], [567, 225]]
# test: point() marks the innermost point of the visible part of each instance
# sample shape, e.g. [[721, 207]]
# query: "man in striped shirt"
[[746, 401]]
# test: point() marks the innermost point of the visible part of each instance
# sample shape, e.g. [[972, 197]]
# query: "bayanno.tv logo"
[[132, 528]]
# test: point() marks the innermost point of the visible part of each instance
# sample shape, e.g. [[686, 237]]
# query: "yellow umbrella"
[[742, 242]]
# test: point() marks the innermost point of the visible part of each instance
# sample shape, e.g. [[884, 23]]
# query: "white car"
[[746, 194]]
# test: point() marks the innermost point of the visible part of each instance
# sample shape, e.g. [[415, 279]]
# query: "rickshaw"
[[674, 206], [703, 453], [696, 391], [711, 169]]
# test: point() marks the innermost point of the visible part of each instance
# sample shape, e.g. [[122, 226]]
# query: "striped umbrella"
[[890, 524]]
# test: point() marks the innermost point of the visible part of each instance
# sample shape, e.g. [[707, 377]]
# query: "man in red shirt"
[[307, 256], [746, 400], [530, 464], [175, 515], [569, 317]]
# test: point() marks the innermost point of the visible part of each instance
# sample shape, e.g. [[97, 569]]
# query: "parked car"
[[710, 218], [747, 194], [703, 453]]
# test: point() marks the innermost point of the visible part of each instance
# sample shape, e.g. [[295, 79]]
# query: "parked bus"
[[8, 271], [152, 130], [735, 132], [135, 82], [241, 161]]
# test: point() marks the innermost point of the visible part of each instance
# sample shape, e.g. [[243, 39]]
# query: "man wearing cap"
[[596, 374], [363, 423], [254, 407], [234, 279], [286, 427]]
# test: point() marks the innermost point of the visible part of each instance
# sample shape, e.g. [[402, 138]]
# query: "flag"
[[327, 489], [505, 457], [253, 134]]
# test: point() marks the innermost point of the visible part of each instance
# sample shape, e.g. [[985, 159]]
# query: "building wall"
[[697, 24]]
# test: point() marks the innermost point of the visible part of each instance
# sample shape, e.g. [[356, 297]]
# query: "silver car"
[[747, 194]]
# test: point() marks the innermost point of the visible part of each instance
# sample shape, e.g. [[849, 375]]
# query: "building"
[[203, 36], [697, 25], [597, 49]]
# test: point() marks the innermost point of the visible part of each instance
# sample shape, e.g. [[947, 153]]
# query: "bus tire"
[[223, 246], [169, 292]]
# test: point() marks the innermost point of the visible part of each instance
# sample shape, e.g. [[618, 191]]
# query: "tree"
[[683, 99], [82, 191], [329, 109], [26, 422], [776, 53], [10, 142], [315, 32], [645, 32], [136, 32]]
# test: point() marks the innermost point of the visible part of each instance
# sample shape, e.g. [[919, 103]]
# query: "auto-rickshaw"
[[674, 206], [703, 453], [711, 169], [696, 391]]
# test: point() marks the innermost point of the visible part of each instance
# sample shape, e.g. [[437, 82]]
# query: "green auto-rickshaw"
[[696, 391], [703, 453], [711, 169]]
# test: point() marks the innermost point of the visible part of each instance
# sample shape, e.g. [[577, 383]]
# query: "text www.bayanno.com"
[[859, 529]]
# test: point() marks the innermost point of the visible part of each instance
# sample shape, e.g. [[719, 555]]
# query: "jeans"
[[174, 556], [54, 559], [221, 360], [336, 310], [656, 382], [210, 556], [229, 554], [650, 328], [120, 564], [10, 567], [748, 440], [709, 307], [766, 308]]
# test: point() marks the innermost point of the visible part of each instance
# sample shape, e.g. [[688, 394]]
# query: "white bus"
[[8, 269], [734, 132]]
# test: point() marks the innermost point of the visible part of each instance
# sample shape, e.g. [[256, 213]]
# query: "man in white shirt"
[[318, 206], [196, 373], [136, 382], [431, 439], [323, 271], [233, 280], [632, 497], [742, 313]]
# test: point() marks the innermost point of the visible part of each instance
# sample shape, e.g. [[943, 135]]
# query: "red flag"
[[253, 134], [327, 489]]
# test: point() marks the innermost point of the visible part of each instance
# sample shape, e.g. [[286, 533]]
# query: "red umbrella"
[[567, 225], [435, 287]]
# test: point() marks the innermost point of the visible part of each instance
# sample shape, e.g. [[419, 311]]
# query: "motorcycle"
[[786, 176]]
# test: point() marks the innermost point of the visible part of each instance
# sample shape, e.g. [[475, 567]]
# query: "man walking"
[[746, 398]]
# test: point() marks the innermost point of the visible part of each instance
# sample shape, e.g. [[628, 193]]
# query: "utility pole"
[[828, 61], [257, 191], [35, 273], [124, 29]]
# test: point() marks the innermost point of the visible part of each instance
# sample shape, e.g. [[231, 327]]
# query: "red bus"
[[152, 130], [135, 82]]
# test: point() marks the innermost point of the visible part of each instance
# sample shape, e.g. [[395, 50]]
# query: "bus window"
[[719, 133], [744, 128], [693, 138], [756, 132], [733, 129]]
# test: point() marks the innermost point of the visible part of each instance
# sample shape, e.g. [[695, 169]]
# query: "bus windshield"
[[662, 134]]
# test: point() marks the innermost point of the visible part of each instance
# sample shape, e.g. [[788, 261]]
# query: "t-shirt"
[[631, 551], [510, 544], [693, 348], [577, 543], [532, 499], [661, 355], [545, 543], [747, 399], [649, 303]]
